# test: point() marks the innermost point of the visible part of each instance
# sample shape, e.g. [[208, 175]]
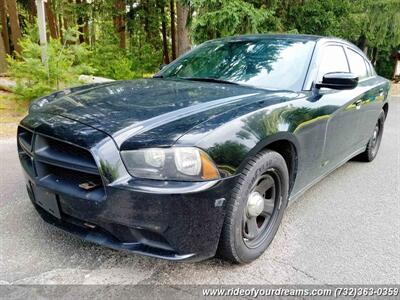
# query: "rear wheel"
[[256, 208], [375, 141]]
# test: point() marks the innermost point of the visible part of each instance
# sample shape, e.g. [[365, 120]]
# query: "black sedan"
[[205, 156]]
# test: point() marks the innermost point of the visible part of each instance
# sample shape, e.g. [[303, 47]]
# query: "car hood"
[[146, 110]]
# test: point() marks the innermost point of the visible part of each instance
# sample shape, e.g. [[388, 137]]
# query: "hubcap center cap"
[[375, 133], [255, 204]]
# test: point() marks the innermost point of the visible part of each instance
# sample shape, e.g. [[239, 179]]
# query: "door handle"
[[380, 92], [358, 103]]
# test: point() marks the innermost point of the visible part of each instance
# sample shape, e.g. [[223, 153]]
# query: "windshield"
[[269, 63]]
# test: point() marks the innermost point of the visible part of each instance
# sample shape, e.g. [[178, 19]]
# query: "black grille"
[[59, 166], [25, 138]]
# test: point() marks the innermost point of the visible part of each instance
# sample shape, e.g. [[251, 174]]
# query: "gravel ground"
[[343, 230]]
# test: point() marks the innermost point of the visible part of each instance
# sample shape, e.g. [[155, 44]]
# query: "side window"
[[357, 64], [333, 60]]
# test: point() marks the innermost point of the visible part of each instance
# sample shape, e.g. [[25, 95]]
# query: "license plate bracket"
[[47, 200]]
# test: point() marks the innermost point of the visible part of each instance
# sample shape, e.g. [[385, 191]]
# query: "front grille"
[[59, 166]]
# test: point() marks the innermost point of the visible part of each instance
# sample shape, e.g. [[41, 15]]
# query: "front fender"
[[231, 144]]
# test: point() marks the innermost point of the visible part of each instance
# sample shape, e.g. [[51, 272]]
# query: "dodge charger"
[[204, 157]]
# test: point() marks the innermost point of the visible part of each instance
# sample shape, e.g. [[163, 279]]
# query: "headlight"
[[177, 163]]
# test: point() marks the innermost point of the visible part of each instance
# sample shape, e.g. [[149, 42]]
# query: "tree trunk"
[[83, 23], [173, 28], [14, 24], [92, 29], [362, 43], [60, 28], [68, 17], [119, 22], [146, 23], [86, 31], [396, 61], [51, 20], [31, 11], [164, 33], [374, 56], [3, 62], [80, 22], [182, 13], [4, 26]]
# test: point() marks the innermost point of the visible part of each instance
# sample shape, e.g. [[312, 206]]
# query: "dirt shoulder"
[[11, 112], [395, 90]]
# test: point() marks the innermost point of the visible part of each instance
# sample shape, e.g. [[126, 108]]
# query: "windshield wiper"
[[209, 79]]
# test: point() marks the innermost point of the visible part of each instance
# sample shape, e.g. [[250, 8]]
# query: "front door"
[[343, 125]]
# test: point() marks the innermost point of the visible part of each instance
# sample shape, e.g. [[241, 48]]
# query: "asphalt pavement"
[[344, 230]]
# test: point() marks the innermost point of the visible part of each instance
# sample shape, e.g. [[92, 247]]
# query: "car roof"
[[295, 37], [306, 37]]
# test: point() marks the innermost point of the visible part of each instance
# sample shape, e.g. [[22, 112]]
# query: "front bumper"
[[169, 226], [164, 219]]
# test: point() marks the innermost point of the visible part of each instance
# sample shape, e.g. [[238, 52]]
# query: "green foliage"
[[34, 78], [145, 46], [385, 63], [219, 18], [145, 59], [382, 26], [108, 59], [318, 17], [113, 62], [372, 24]]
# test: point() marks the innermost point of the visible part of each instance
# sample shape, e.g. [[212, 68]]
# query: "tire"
[[246, 235], [375, 141]]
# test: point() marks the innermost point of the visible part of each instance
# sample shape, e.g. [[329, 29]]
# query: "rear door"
[[373, 93]]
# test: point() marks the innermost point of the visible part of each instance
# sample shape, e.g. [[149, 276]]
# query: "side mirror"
[[338, 81], [162, 66]]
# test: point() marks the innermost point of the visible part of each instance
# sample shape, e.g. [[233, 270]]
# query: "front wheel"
[[256, 208], [375, 140]]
